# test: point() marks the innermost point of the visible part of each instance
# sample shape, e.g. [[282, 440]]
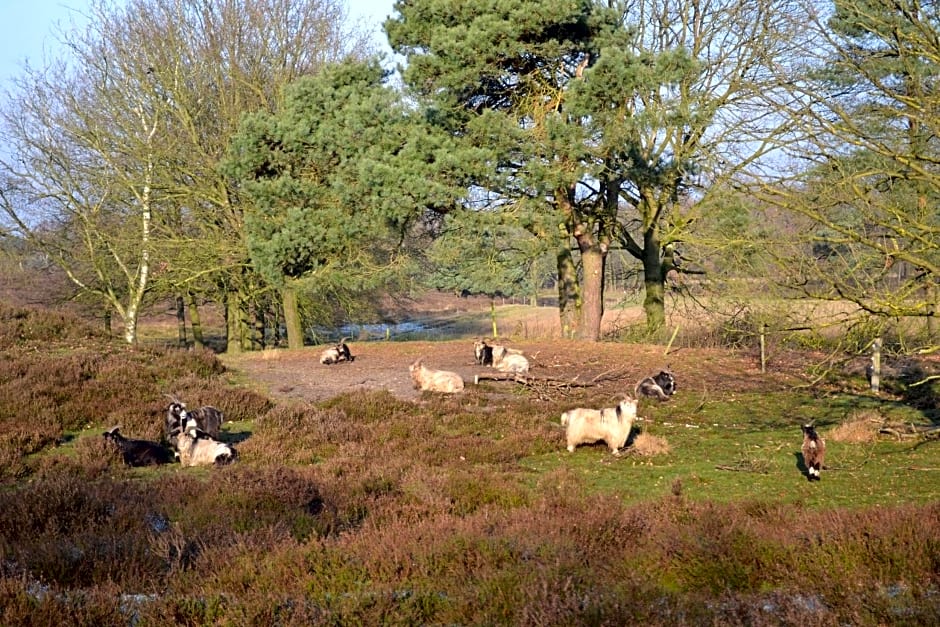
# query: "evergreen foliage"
[[337, 178], [602, 122]]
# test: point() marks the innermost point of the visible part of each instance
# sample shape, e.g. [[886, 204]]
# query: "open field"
[[357, 500]]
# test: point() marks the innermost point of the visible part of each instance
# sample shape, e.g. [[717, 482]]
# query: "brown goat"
[[814, 452]]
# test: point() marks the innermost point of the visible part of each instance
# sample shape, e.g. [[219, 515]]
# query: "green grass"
[[747, 447]]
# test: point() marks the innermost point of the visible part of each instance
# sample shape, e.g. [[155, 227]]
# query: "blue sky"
[[27, 27]]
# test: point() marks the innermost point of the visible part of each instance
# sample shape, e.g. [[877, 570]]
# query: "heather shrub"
[[46, 394], [236, 403], [41, 604], [300, 433], [271, 496], [67, 531], [370, 406], [176, 363], [27, 326]]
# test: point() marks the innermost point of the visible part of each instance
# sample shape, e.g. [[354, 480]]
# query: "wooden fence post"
[[763, 348]]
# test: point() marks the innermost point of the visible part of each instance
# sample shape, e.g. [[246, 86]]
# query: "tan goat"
[[426, 379]]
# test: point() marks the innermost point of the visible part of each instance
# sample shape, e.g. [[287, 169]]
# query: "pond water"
[[424, 329]]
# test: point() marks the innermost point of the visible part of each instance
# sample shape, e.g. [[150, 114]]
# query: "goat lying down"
[[501, 357], [336, 354], [611, 424], [661, 386], [426, 379], [139, 452], [513, 362], [196, 448], [814, 451]]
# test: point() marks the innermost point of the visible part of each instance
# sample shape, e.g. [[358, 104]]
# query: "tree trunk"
[[569, 294], [234, 323], [295, 332], [259, 328], [130, 329], [930, 296], [181, 320], [654, 304], [195, 321], [593, 258]]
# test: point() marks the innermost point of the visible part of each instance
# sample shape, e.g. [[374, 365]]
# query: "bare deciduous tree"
[[114, 151], [866, 179]]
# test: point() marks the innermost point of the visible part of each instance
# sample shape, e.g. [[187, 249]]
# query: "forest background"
[[770, 163]]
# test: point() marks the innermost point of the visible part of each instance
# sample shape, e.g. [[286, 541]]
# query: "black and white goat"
[[483, 352], [196, 448], [661, 386], [208, 418], [336, 354], [139, 452], [814, 451]]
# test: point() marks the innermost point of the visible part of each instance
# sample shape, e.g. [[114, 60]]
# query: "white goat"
[[612, 424], [196, 448], [426, 379], [513, 362], [500, 352]]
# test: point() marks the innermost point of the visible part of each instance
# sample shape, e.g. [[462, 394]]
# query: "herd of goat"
[[191, 436]]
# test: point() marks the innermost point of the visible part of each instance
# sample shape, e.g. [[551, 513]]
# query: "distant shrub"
[[177, 363]]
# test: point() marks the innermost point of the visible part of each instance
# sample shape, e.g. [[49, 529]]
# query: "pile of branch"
[[911, 431], [545, 386]]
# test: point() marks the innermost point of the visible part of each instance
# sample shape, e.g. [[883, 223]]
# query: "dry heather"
[[371, 508], [647, 445], [859, 428]]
